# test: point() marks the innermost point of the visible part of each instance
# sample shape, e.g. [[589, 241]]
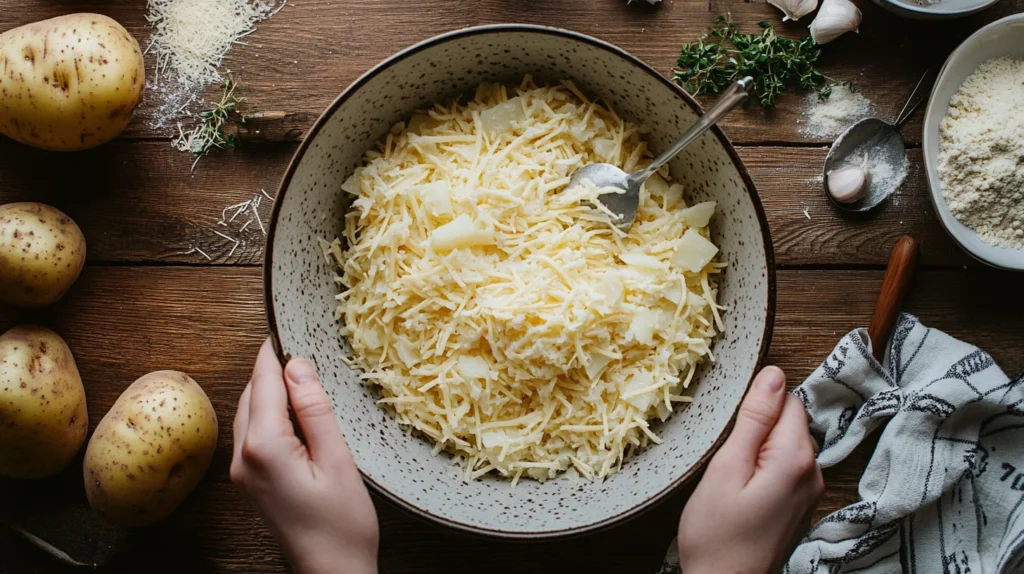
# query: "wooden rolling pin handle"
[[895, 285]]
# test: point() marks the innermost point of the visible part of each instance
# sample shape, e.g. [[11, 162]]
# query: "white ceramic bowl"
[[999, 39], [942, 10], [300, 290]]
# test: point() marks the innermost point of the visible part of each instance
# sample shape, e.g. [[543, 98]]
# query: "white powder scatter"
[[827, 118], [981, 153], [170, 101], [885, 174], [881, 170], [189, 42]]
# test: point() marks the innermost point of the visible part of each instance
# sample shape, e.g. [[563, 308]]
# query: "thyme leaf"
[[723, 54]]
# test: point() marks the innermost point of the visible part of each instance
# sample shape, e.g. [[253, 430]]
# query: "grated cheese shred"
[[193, 36], [501, 315]]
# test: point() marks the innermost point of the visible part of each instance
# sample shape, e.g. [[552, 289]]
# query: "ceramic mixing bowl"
[[300, 289]]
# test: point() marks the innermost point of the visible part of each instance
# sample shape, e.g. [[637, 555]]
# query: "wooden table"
[[145, 303]]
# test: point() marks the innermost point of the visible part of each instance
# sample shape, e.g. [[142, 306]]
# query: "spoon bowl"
[[626, 199], [606, 175], [880, 146], [886, 151]]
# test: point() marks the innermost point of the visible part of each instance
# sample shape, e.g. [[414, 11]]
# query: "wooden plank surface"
[[147, 301], [157, 321], [137, 203], [302, 58]]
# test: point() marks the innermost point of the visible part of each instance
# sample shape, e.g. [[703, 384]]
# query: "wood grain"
[[300, 60], [148, 301], [122, 322], [137, 203]]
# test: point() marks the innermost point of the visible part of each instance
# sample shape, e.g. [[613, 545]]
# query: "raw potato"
[[69, 83], [150, 450], [43, 421], [42, 251]]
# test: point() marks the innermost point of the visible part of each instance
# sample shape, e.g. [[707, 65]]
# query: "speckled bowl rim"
[[769, 253]]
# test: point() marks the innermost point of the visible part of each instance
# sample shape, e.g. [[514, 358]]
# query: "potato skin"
[[43, 419], [69, 83], [151, 450], [42, 252]]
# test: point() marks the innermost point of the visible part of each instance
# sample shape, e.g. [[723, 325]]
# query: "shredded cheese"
[[192, 36], [189, 42], [501, 315]]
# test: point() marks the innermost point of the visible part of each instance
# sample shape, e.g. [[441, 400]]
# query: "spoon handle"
[[914, 100], [733, 96], [895, 286]]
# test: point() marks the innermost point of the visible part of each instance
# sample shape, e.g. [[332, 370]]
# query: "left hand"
[[310, 494]]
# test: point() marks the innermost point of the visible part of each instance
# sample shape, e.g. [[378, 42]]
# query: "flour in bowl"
[[981, 153]]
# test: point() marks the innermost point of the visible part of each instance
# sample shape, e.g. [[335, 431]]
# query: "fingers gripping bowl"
[[300, 288]]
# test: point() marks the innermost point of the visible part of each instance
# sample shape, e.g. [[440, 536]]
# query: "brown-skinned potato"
[[43, 419], [42, 252], [151, 450], [69, 83]]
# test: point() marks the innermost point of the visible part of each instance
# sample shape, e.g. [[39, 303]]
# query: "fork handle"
[[734, 95]]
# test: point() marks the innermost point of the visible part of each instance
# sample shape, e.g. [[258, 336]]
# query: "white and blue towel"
[[944, 489]]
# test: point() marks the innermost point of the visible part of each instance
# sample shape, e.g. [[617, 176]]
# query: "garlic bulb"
[[835, 18], [849, 183], [794, 9]]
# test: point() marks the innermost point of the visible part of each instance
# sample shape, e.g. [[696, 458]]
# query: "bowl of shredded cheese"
[[501, 358]]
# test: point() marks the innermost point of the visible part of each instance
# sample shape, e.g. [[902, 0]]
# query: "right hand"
[[757, 497], [310, 494]]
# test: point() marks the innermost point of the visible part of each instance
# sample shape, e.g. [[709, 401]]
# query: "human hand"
[[758, 494], [310, 495]]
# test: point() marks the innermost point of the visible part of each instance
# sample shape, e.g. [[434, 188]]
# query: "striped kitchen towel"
[[944, 489]]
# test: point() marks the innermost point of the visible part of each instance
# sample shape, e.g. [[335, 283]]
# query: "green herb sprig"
[[724, 55], [209, 133]]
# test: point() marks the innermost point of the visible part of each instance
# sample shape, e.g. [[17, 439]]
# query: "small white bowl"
[[1002, 38], [942, 10]]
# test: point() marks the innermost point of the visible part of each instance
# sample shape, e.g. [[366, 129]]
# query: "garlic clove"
[[848, 184], [795, 9], [835, 18]]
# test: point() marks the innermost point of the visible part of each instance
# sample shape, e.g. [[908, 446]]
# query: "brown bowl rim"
[[769, 253]]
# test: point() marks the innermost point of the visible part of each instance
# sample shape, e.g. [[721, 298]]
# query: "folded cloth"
[[943, 491]]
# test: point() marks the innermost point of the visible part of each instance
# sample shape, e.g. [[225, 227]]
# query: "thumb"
[[313, 412], [757, 416]]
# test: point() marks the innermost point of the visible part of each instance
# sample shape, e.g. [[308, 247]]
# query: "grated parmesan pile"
[[193, 36], [189, 42], [504, 317]]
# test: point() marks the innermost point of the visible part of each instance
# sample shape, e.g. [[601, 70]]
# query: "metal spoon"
[[604, 175], [883, 144]]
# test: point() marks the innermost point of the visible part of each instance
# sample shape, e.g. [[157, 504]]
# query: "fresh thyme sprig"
[[723, 55], [209, 134]]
